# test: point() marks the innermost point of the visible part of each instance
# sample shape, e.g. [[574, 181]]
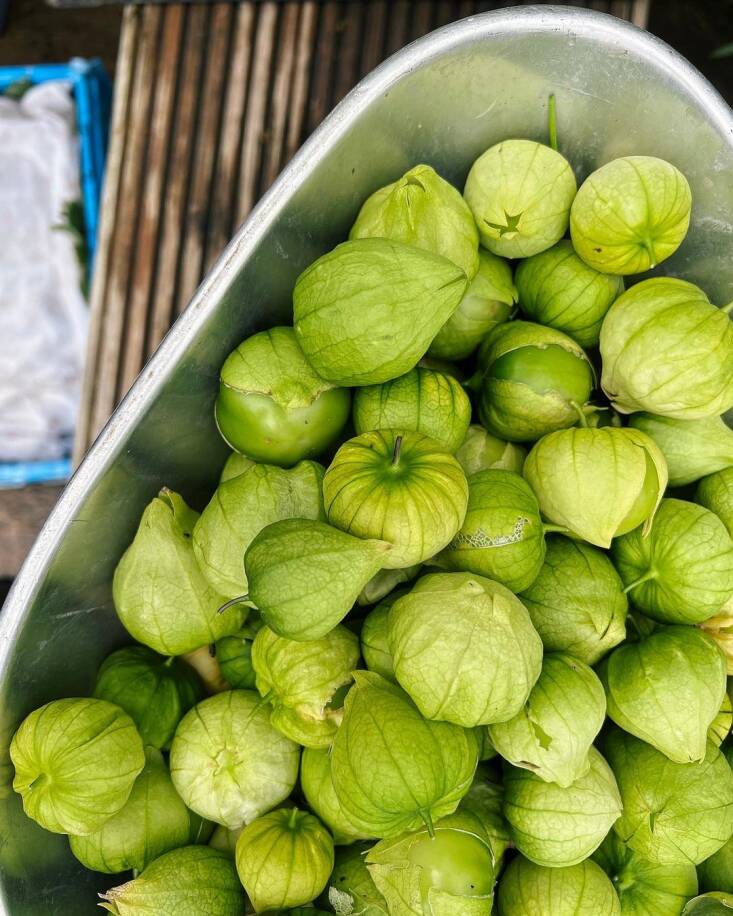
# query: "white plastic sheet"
[[43, 315]]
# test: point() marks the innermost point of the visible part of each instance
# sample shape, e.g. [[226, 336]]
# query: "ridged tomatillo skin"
[[488, 301], [502, 536], [367, 311], [227, 761], [686, 563], [413, 495], [667, 690], [442, 633], [424, 210], [716, 493], [630, 215], [691, 448], [584, 888], [284, 859], [452, 872], [531, 378], [160, 594], [597, 483], [644, 887], [520, 193], [553, 733], [317, 786], [188, 882], [301, 678], [272, 406], [480, 451], [559, 289], [556, 826], [674, 813], [75, 763], [305, 576], [155, 692], [374, 637], [423, 400], [577, 603], [234, 655], [352, 886], [673, 317], [717, 871], [392, 769], [240, 508], [152, 821]]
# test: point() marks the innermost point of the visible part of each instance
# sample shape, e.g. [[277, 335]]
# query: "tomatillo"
[[272, 406]]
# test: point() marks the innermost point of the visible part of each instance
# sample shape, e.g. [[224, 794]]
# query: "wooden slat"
[[211, 101]]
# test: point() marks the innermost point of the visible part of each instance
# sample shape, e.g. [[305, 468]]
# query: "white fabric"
[[43, 316]]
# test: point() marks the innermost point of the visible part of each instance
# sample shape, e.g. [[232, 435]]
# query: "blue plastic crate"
[[92, 95]]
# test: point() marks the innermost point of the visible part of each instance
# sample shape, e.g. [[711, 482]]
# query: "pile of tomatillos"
[[442, 643]]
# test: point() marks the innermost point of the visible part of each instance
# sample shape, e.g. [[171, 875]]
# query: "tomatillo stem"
[[555, 529], [397, 450], [242, 599], [169, 661], [727, 308], [581, 414], [293, 819], [552, 121], [650, 574], [425, 815]]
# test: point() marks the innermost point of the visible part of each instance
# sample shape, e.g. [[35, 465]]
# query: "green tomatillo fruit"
[[597, 483], [305, 682], [304, 576], [422, 400], [558, 289], [234, 655], [154, 691], [560, 826], [351, 888], [534, 380], [502, 535], [673, 813], [160, 594], [716, 903], [645, 888], [716, 493], [367, 311], [691, 448], [76, 761], [317, 786], [480, 451], [520, 193], [630, 215], [424, 767], [193, 880], [527, 889], [424, 210], [400, 487], [667, 316], [553, 733], [374, 637], [272, 406], [577, 602], [242, 507], [284, 859], [488, 301], [716, 873], [682, 571], [667, 689], [152, 821], [235, 465], [449, 624], [228, 763], [450, 869]]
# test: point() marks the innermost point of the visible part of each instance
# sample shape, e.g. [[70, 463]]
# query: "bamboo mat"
[[211, 101]]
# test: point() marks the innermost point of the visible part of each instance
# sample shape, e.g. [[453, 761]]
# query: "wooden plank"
[[323, 64], [85, 433], [232, 126], [22, 515], [249, 172], [397, 29], [422, 18], [349, 41], [375, 24], [164, 294], [274, 150], [106, 391], [207, 132], [152, 205], [301, 76]]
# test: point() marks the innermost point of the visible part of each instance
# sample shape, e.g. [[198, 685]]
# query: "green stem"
[[212, 649], [727, 308], [581, 414], [397, 450], [293, 819], [425, 815], [169, 661], [552, 121], [555, 529], [649, 574], [242, 599]]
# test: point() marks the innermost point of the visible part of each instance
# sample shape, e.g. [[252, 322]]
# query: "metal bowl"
[[442, 100]]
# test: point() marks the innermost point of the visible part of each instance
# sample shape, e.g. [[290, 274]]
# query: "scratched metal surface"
[[442, 100]]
